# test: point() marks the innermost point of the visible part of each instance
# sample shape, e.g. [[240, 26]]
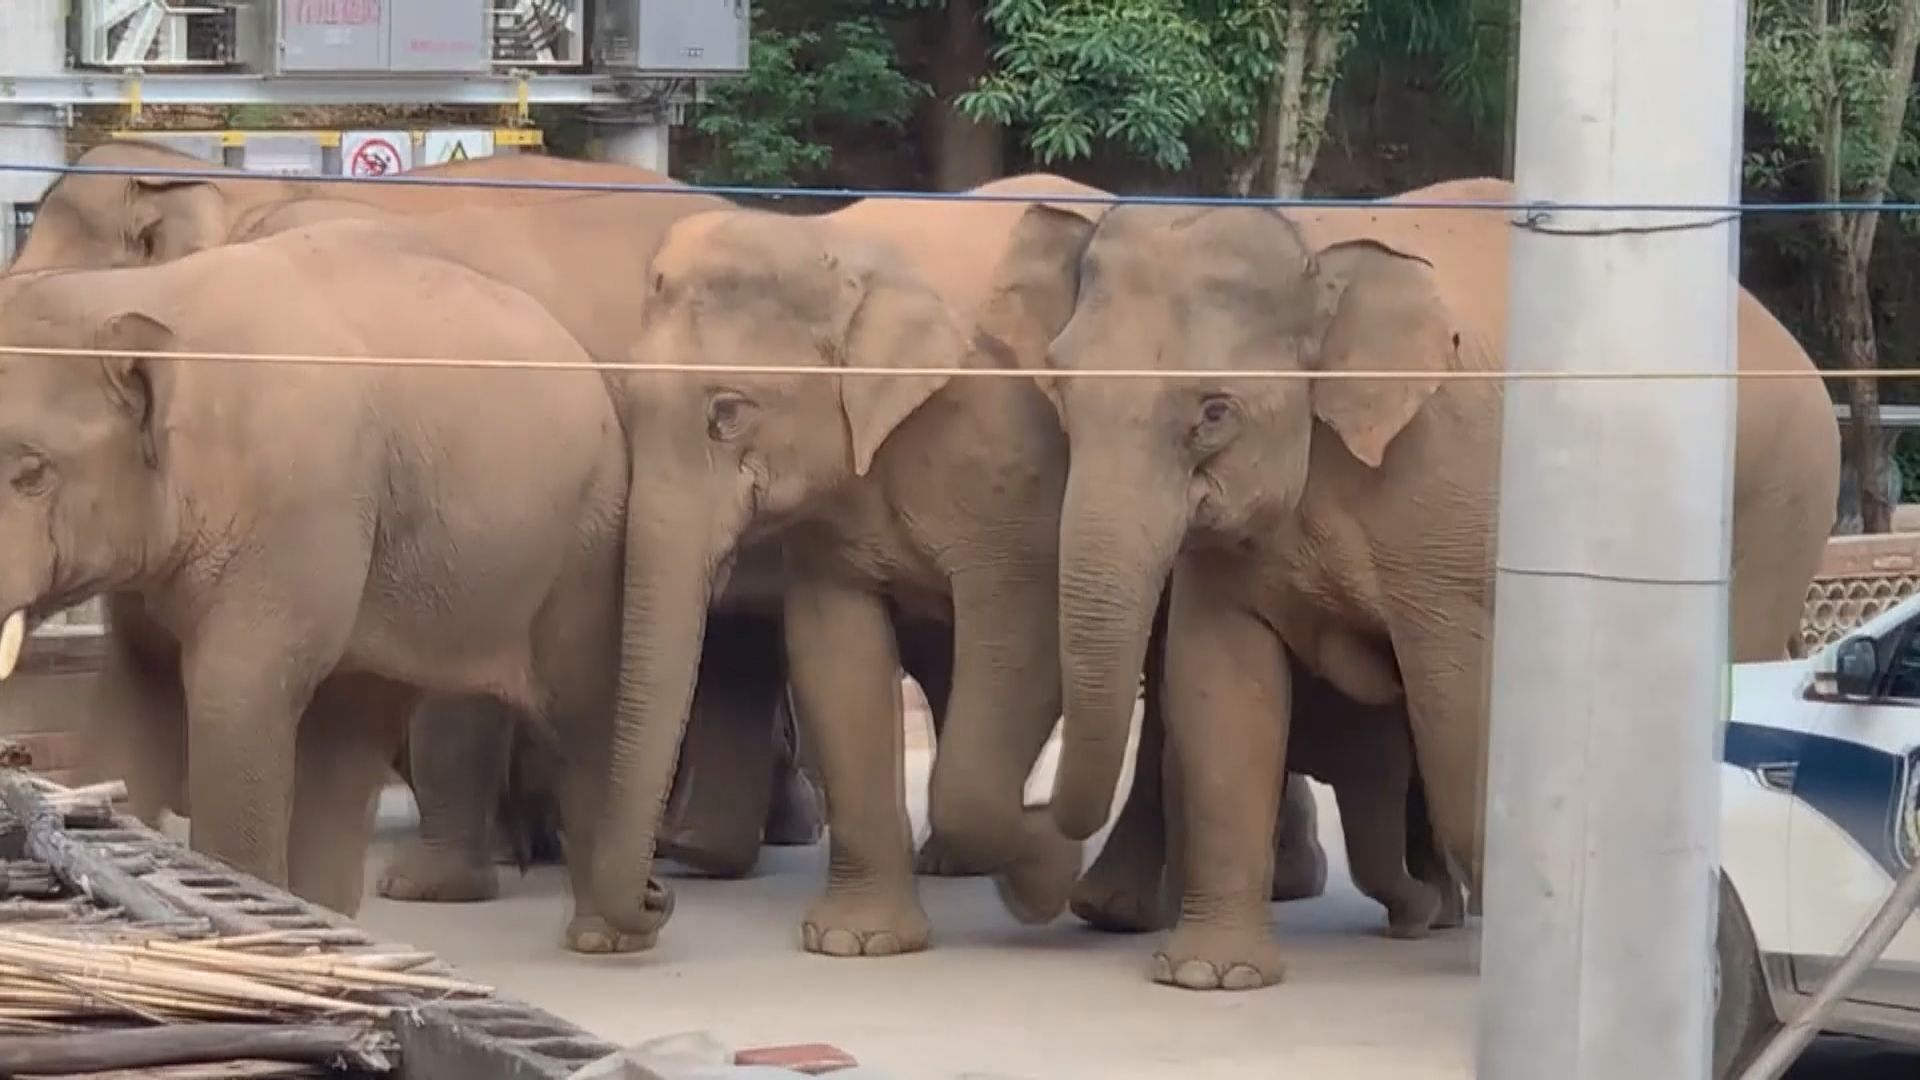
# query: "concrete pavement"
[[992, 998]]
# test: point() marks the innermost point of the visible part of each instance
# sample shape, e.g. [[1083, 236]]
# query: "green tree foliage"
[[1146, 77], [1165, 80], [821, 71], [1834, 80]]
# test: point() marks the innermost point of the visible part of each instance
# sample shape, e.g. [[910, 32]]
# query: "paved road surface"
[[996, 999]]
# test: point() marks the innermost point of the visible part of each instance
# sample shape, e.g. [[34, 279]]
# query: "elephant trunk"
[[1118, 538], [670, 564]]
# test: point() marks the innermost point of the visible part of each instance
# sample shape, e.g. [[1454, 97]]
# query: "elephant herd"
[[676, 473]]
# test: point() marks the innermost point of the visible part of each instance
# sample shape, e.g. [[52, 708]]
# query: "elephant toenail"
[[1197, 975], [1162, 969], [839, 943], [1242, 977]]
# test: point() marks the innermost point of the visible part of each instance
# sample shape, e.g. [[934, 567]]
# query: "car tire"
[[1742, 1009]]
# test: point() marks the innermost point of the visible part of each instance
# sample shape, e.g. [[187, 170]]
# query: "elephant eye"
[[729, 415], [1214, 425], [33, 475]]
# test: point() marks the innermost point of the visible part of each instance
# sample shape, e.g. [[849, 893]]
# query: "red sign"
[[376, 157], [335, 12]]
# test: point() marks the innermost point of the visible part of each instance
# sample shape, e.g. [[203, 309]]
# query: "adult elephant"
[[461, 751], [451, 531], [1349, 522], [933, 497]]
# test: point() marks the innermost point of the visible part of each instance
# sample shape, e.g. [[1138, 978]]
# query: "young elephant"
[[1348, 522], [929, 497], [295, 553]]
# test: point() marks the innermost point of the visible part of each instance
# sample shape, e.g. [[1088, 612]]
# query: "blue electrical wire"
[[747, 191]]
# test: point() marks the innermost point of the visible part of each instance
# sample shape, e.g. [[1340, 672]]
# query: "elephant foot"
[[592, 935], [1210, 959], [1035, 888], [1411, 916], [422, 874], [1120, 900], [842, 925], [794, 818], [936, 859], [1300, 873]]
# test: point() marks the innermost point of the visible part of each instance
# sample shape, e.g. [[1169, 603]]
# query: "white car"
[[1818, 820]]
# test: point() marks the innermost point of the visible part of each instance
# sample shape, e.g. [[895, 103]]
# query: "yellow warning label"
[[459, 152]]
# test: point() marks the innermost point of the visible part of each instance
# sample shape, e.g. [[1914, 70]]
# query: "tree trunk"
[[1854, 339], [1849, 248], [967, 153], [1287, 104]]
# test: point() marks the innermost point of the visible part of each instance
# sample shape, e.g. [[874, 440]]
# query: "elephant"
[[296, 554], [1349, 523], [103, 220], [923, 496]]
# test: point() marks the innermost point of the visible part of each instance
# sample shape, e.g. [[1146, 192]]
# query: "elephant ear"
[[1380, 310], [899, 322], [130, 376], [1036, 285], [172, 217]]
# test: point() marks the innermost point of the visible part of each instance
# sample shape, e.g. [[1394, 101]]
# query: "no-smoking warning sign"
[[376, 153]]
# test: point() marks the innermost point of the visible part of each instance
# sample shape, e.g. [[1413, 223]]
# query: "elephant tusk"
[[13, 634]]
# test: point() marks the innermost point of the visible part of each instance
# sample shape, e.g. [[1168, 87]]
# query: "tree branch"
[[1890, 123]]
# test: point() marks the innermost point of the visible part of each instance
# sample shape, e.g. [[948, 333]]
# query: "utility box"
[[371, 37], [671, 37]]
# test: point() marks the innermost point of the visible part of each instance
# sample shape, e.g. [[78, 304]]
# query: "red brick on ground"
[[810, 1058]]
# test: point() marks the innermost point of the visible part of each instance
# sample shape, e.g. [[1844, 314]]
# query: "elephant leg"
[[721, 792], [1005, 703], [582, 787], [1442, 657], [1228, 704], [1373, 814], [249, 677], [1429, 864], [459, 751], [795, 817], [345, 752], [1124, 891], [1299, 862], [845, 674], [926, 653], [134, 729]]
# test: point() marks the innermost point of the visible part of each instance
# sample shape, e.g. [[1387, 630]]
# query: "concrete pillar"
[[1609, 681]]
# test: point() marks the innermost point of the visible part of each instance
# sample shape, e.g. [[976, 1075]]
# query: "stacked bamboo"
[[50, 978]]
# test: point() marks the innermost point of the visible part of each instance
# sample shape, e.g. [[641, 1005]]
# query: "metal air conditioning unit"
[[376, 37], [671, 37], [156, 35], [536, 34]]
